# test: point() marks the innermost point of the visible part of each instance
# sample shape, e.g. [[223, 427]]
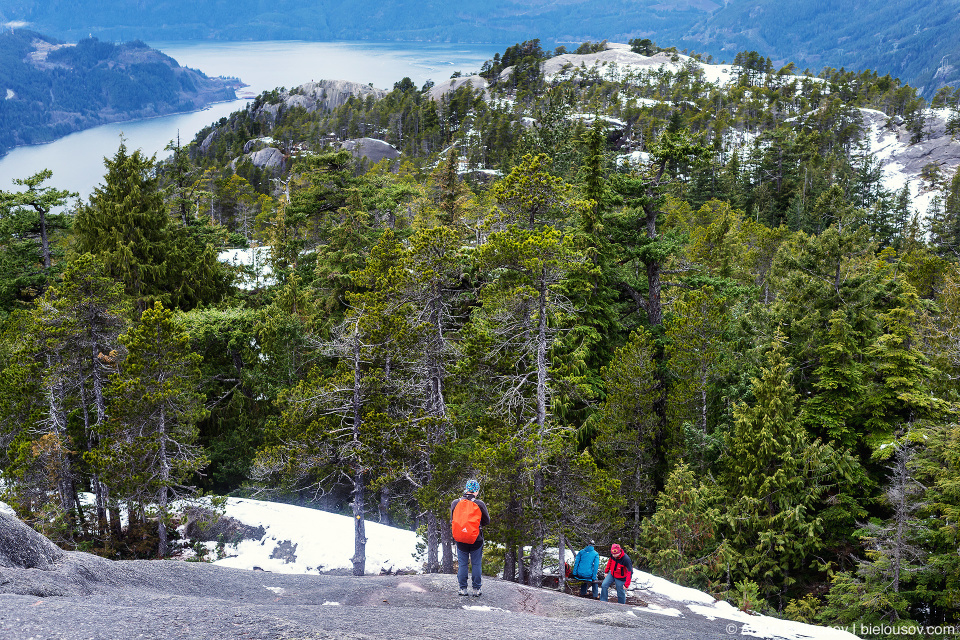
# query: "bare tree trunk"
[[703, 405], [446, 546], [433, 541], [384, 510], [164, 548], [523, 575], [561, 554], [82, 522], [101, 513], [58, 426], [99, 492], [537, 548], [133, 516], [360, 536], [359, 558], [543, 373], [116, 525], [510, 564], [100, 488], [900, 495], [539, 530]]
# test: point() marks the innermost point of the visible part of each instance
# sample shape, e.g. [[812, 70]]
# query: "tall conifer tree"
[[125, 222]]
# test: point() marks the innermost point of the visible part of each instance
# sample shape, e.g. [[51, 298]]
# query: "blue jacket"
[[586, 563]]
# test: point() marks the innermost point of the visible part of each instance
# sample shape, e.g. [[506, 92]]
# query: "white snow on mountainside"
[[884, 137], [302, 540], [617, 60], [902, 162]]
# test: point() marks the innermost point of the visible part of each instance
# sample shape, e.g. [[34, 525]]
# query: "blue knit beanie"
[[472, 487]]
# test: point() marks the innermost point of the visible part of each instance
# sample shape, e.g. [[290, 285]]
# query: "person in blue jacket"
[[585, 566]]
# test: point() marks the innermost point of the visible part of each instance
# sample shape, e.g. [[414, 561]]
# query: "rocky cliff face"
[[330, 94]]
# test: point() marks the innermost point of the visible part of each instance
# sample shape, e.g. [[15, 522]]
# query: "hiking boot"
[[476, 593], [462, 592]]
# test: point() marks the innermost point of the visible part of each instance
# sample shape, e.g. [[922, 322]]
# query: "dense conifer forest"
[[639, 307]]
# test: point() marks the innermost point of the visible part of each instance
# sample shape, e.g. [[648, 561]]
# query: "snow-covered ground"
[[256, 260], [617, 60], [301, 540], [901, 161]]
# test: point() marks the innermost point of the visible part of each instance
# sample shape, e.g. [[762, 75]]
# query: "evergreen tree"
[[337, 423], [698, 354], [82, 317], [29, 231], [884, 585], [840, 386], [775, 478], [239, 379], [530, 197], [125, 223], [431, 284], [180, 177], [583, 350], [150, 447], [157, 258], [817, 275], [937, 469], [680, 541], [626, 438], [524, 310], [28, 484], [945, 226], [900, 385], [642, 244]]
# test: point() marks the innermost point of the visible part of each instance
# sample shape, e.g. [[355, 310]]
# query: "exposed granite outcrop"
[[209, 526], [371, 149], [22, 547], [328, 94], [894, 148], [449, 86]]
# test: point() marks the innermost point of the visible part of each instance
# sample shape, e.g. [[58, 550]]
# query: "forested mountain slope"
[[915, 41], [51, 88], [640, 298], [484, 21]]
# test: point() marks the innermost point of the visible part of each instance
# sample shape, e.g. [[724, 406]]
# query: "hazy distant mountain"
[[913, 40], [496, 21], [917, 41]]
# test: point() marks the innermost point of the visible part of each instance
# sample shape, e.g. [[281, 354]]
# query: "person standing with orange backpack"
[[468, 516]]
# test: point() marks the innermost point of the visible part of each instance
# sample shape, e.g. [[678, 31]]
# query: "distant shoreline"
[[6, 150]]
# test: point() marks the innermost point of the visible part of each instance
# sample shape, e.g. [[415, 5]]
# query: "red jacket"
[[622, 568]]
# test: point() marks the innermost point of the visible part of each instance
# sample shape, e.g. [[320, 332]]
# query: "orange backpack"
[[466, 521]]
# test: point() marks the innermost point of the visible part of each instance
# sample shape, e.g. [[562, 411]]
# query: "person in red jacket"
[[619, 570]]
